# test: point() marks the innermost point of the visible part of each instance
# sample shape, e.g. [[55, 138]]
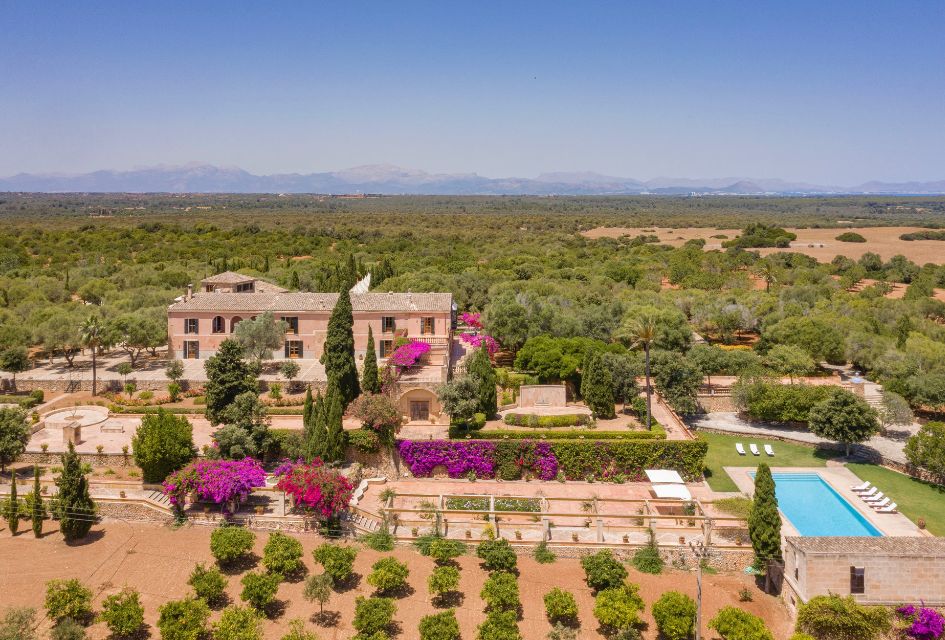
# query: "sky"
[[832, 92]]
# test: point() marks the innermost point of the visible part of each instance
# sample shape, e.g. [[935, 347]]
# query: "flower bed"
[[481, 503], [459, 458], [226, 482], [314, 486], [458, 433], [546, 422]]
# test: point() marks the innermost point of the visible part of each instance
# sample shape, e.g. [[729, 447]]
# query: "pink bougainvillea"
[[408, 355], [218, 481], [471, 319], [459, 458], [480, 340], [316, 487]]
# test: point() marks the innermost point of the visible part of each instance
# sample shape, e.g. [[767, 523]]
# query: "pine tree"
[[338, 357], [764, 522], [307, 407], [370, 382], [335, 433], [12, 511], [597, 387], [38, 509], [75, 506], [228, 376], [480, 368]]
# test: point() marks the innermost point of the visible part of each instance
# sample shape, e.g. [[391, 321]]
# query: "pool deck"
[[841, 479]]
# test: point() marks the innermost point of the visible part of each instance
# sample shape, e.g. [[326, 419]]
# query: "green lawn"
[[722, 454], [916, 499]]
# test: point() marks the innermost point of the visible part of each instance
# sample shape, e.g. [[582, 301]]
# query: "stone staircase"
[[159, 500], [362, 522]]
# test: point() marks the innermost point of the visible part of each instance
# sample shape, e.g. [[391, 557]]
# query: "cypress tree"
[[266, 264], [597, 387], [307, 407], [294, 283], [764, 522], [480, 368], [38, 511], [370, 382], [338, 357], [335, 436], [12, 511], [314, 430], [75, 506]]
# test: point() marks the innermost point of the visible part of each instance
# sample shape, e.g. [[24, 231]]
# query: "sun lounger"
[[740, 448], [769, 450], [890, 509], [867, 494], [861, 487], [879, 496], [754, 449], [880, 504]]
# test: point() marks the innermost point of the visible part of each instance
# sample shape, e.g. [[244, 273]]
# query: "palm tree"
[[92, 337], [641, 333], [766, 271]]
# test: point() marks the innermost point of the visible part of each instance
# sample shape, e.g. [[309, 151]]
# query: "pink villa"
[[200, 320]]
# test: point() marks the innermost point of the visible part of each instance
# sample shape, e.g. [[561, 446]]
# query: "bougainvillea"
[[459, 458], [924, 623], [478, 340], [316, 487], [471, 319], [218, 481], [408, 355]]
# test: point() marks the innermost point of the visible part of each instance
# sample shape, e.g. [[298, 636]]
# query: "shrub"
[[647, 559], [282, 554], [444, 550], [439, 626], [231, 544], [423, 543], [773, 402], [18, 623], [837, 618], [378, 540], [562, 434], [544, 555], [372, 615], [619, 608], [560, 606], [850, 236], [68, 599], [209, 584], [259, 589], [297, 631], [500, 592], [364, 440], [318, 589], [675, 615], [443, 580], [67, 629], [499, 625], [802, 636], [388, 574], [926, 449], [733, 623], [338, 561], [183, 619], [628, 458], [497, 555], [545, 422], [238, 623], [603, 571], [561, 631], [123, 613]]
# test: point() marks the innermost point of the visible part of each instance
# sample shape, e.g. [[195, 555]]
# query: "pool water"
[[816, 509]]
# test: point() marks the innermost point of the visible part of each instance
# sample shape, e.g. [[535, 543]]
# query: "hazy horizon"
[[829, 94]]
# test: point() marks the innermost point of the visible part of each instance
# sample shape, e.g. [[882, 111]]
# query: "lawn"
[[722, 454], [916, 499]]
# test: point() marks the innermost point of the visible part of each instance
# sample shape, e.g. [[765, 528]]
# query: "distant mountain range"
[[391, 180]]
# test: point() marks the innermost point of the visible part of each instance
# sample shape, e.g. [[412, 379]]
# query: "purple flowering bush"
[[218, 481], [458, 457], [923, 623]]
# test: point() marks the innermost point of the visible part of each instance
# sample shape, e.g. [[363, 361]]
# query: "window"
[[387, 324], [293, 349], [292, 324], [387, 346], [426, 326], [209, 288], [219, 325], [419, 410], [191, 349], [235, 321], [246, 287], [191, 325], [857, 580]]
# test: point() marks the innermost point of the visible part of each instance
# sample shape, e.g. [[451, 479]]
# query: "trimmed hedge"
[[569, 434], [198, 410], [607, 459], [546, 422]]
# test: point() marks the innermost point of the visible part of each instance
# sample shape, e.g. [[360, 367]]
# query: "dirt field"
[[817, 243], [157, 561]]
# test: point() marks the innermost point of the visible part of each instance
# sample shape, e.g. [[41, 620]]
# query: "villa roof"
[[292, 301], [865, 545], [228, 277]]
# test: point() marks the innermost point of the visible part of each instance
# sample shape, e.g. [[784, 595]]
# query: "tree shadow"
[[90, 538], [235, 567], [449, 600], [403, 591], [394, 629], [326, 618], [298, 575], [349, 583], [276, 609]]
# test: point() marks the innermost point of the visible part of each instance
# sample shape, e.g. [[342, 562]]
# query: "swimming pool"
[[816, 509]]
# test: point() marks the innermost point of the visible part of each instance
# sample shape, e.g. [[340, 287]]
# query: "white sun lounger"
[[867, 494], [861, 487], [769, 450], [879, 496], [890, 509], [740, 448], [880, 504], [754, 449]]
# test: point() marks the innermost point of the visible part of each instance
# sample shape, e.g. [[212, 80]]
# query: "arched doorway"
[[236, 320]]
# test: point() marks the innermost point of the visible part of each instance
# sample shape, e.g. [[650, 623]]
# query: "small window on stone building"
[[857, 580], [387, 346], [387, 324]]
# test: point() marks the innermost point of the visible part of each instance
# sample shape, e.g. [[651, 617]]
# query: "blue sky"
[[829, 92]]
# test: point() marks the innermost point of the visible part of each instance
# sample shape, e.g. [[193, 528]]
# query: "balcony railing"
[[433, 341]]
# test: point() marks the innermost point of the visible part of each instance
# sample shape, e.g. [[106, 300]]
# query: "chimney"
[[190, 291]]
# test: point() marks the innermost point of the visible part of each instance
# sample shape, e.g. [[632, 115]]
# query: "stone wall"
[[133, 511], [542, 395], [94, 459], [714, 404]]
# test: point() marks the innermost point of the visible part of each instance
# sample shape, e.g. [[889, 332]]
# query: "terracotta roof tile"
[[293, 301], [885, 545]]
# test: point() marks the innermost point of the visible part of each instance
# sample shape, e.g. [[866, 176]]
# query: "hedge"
[[772, 402], [544, 422], [25, 402], [117, 408], [569, 434], [605, 460]]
